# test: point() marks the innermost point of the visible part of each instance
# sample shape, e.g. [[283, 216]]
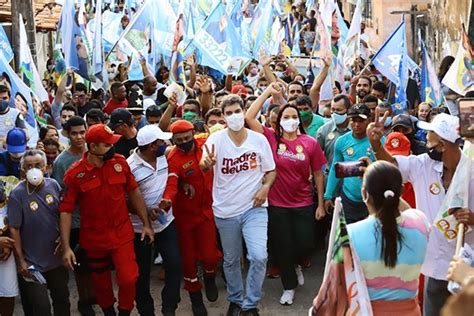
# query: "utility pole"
[[25, 7]]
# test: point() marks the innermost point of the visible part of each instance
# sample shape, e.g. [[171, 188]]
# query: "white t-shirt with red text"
[[239, 171]]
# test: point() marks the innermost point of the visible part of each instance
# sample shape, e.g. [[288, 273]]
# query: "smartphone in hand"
[[466, 117], [350, 169]]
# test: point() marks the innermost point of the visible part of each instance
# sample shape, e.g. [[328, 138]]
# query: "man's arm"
[[166, 118], [375, 133], [21, 263], [138, 204], [262, 194], [318, 82]]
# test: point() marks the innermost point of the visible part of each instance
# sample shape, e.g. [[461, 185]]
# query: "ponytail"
[[383, 183]]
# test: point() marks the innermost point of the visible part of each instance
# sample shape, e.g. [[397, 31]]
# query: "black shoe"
[[123, 312], [168, 313], [250, 312], [233, 310], [85, 308], [197, 304], [109, 311], [211, 288]]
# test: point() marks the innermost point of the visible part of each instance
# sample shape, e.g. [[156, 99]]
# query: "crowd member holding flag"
[[437, 176]]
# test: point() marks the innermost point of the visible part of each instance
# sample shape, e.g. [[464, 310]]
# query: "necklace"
[[28, 190]]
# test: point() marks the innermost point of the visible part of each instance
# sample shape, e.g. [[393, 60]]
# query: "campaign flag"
[[387, 58], [59, 65], [73, 45], [261, 25], [20, 92], [430, 87], [296, 51], [5, 47], [351, 47], [177, 60], [220, 44], [235, 13], [28, 70], [460, 76], [342, 262], [98, 52], [343, 29], [400, 92]]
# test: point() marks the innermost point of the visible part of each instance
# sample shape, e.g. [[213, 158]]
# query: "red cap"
[[397, 144], [181, 126], [240, 90], [101, 133]]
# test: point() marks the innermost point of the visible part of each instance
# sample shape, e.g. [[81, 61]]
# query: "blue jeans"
[[252, 226]]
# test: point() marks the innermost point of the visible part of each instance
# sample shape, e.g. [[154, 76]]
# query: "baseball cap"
[[149, 133], [239, 89], [120, 116], [444, 125], [101, 133], [16, 141], [359, 110], [397, 144], [402, 120]]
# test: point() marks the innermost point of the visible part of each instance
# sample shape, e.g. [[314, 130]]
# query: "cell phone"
[[466, 116], [350, 169]]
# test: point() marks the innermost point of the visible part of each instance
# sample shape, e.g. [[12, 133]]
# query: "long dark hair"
[[383, 183], [279, 130]]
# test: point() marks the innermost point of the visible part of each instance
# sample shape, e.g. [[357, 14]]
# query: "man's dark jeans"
[[166, 243]]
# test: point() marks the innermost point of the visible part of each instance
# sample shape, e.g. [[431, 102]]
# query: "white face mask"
[[235, 121], [34, 176], [290, 125]]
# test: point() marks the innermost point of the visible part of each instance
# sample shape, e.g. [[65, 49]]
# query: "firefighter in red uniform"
[[189, 191], [99, 183]]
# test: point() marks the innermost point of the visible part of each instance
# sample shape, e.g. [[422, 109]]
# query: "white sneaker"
[[287, 297], [299, 275], [158, 260]]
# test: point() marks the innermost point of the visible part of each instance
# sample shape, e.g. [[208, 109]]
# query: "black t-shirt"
[[125, 146], [82, 110]]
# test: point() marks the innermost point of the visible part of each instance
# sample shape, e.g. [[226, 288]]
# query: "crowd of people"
[[244, 169]]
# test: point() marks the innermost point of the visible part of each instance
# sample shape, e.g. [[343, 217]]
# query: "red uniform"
[[106, 231], [193, 216]]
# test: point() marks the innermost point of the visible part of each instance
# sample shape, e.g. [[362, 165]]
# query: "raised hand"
[[173, 100], [210, 159], [263, 58], [375, 130]]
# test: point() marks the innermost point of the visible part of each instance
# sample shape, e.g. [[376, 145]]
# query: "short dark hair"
[[214, 111], [232, 99], [80, 87], [366, 78], [96, 115], [294, 82], [153, 110], [4, 88], [370, 98], [68, 107], [115, 86], [74, 121], [194, 102], [221, 93], [304, 100], [50, 142], [347, 101], [250, 87], [380, 86]]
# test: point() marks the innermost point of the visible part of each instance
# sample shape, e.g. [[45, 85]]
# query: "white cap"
[[150, 133], [444, 125]]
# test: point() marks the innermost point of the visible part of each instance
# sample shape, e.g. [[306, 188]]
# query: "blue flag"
[[430, 87], [5, 47], [261, 25], [387, 59], [220, 44], [400, 93]]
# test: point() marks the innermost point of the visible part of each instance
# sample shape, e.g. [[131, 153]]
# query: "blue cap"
[[16, 141]]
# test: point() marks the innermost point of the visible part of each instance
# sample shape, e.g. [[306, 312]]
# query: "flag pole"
[[460, 239]]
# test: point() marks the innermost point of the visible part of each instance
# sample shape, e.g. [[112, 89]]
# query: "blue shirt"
[[8, 166], [348, 148]]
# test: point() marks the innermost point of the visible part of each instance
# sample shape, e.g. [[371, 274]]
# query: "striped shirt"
[[152, 184], [400, 282]]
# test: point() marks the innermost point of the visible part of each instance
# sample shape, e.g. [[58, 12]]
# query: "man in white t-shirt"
[[150, 169], [432, 175], [244, 171]]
